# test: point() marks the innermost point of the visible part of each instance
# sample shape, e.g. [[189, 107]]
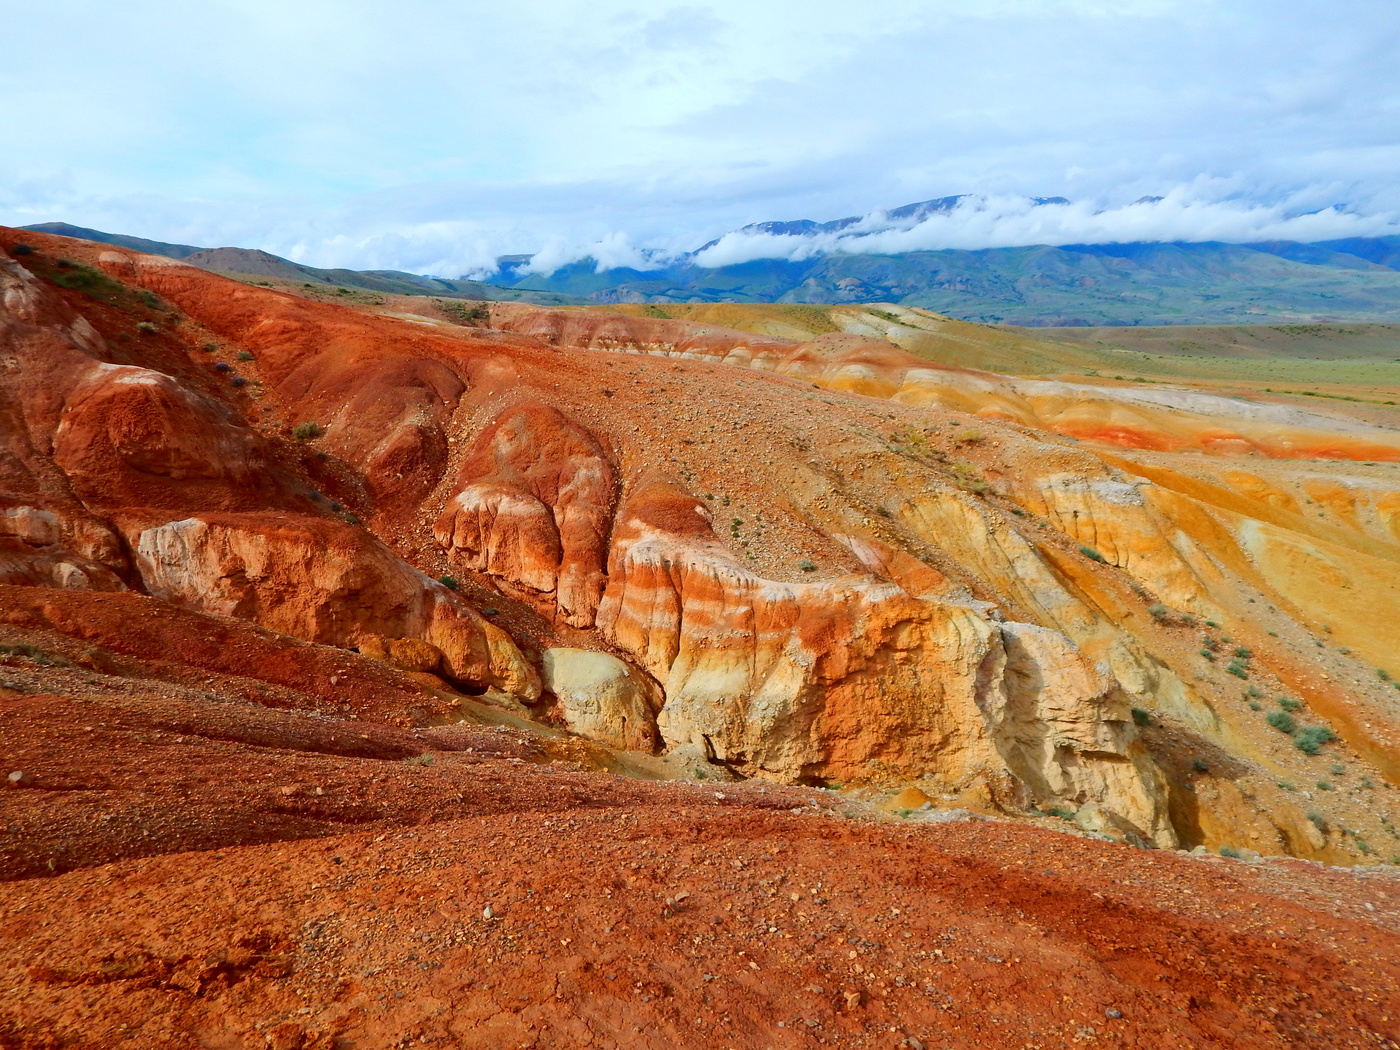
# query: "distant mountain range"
[[1154, 283], [250, 262], [1356, 279]]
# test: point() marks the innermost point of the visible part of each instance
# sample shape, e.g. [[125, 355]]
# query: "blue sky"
[[431, 136]]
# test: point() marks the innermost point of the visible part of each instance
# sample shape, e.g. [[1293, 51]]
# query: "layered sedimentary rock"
[[534, 508], [109, 450], [325, 582], [1165, 420], [853, 678], [837, 563]]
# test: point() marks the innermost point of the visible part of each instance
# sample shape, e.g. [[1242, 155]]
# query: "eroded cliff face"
[[810, 562], [326, 582], [855, 679], [122, 475], [534, 508]]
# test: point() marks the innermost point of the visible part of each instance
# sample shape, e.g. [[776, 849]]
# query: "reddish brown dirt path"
[[667, 921]]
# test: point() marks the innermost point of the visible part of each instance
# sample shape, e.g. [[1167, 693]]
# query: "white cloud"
[[1005, 222]]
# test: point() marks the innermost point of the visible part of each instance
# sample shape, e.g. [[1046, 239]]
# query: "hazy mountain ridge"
[[1148, 283], [252, 262], [1351, 279]]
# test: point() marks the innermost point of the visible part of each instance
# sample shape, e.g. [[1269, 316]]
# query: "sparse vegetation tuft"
[[1141, 717], [1282, 721], [308, 431], [473, 315], [1090, 553], [34, 653], [1310, 739], [450, 582], [93, 283]]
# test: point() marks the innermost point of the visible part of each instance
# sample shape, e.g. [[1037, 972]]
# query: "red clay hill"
[[375, 675]]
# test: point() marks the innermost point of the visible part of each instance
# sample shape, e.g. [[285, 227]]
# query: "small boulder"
[[602, 698], [910, 798]]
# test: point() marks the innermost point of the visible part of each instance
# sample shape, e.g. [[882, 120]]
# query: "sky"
[[432, 136]]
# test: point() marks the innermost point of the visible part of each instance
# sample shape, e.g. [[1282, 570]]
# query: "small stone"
[[19, 778], [487, 913], [1113, 1013]]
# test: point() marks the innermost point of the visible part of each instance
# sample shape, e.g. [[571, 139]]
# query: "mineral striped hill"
[[376, 669]]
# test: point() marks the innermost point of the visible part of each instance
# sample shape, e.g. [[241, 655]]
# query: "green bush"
[[1141, 717], [1158, 611], [1089, 552], [308, 431], [806, 565], [450, 582], [1310, 739], [1237, 669], [1289, 704], [1282, 721], [93, 283], [146, 327], [1231, 852]]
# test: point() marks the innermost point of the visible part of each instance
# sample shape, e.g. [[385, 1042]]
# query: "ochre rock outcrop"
[[325, 582], [852, 678], [534, 508], [602, 697], [114, 448]]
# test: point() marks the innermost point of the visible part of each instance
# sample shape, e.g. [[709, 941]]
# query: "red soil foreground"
[[625, 913]]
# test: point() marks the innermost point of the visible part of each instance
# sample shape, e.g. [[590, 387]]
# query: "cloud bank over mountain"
[[1010, 222]]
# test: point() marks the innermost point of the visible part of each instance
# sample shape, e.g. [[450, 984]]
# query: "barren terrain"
[[387, 671]]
